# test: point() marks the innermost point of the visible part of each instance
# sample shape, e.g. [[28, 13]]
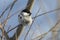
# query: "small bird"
[[25, 17]]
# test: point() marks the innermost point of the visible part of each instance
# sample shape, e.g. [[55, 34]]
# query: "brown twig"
[[7, 8], [18, 32], [5, 21], [43, 35]]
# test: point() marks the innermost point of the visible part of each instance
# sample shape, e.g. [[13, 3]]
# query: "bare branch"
[[29, 4], [47, 12], [43, 35], [9, 12], [5, 10], [4, 33], [18, 32], [9, 28], [0, 25], [12, 29], [10, 5]]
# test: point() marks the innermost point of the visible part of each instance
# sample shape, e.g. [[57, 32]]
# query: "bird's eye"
[[29, 14], [20, 17]]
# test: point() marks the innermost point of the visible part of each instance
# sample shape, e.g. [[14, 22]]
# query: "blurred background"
[[45, 27]]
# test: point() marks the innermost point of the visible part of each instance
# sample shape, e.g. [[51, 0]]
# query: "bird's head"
[[26, 12]]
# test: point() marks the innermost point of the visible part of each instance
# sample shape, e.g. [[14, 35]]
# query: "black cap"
[[27, 11]]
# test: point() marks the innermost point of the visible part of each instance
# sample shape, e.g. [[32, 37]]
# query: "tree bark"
[[29, 4], [18, 32]]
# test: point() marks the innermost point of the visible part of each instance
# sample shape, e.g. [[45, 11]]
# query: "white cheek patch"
[[25, 14]]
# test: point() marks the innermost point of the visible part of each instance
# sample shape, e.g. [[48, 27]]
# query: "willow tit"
[[25, 17]]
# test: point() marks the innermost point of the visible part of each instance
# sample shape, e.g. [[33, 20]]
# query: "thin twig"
[[3, 31], [7, 8], [12, 29], [8, 28], [43, 35], [9, 12], [18, 32], [47, 12]]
